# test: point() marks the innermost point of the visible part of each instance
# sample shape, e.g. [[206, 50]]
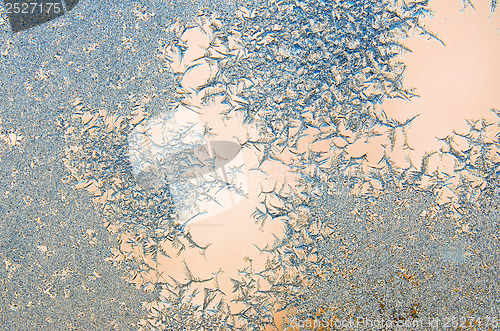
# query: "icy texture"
[[359, 241], [175, 149]]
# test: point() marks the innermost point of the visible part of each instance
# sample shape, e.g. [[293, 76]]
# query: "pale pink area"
[[455, 82]]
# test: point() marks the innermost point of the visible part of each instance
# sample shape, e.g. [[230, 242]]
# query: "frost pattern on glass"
[[175, 149], [359, 240]]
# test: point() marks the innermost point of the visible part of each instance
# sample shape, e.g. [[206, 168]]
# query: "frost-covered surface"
[[385, 242], [54, 273], [378, 242], [205, 173], [360, 241]]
